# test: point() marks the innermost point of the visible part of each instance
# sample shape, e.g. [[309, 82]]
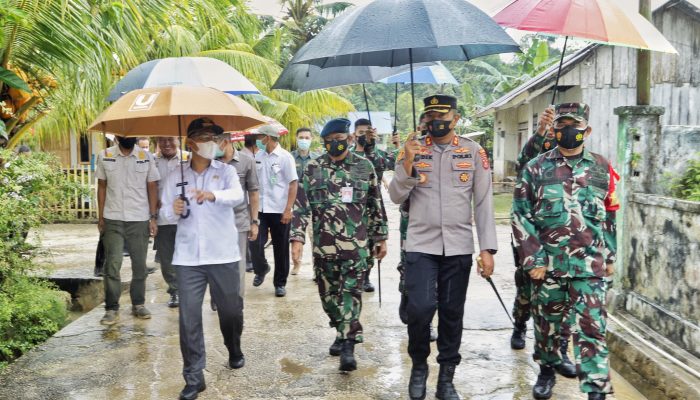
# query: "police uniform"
[[341, 200], [564, 219], [126, 215], [444, 183]]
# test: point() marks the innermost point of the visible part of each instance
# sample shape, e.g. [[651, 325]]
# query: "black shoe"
[[403, 314], [174, 301], [191, 392], [433, 333], [236, 362], [98, 272], [151, 270], [544, 385], [280, 291], [416, 385], [347, 356], [258, 280], [566, 368], [367, 286], [445, 388], [336, 347], [596, 396], [517, 339]]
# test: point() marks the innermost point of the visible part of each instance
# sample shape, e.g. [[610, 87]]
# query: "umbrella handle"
[[187, 207]]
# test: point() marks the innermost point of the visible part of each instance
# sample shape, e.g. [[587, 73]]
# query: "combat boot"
[[445, 388], [517, 339], [545, 383], [347, 356], [367, 286], [596, 396], [336, 347], [566, 368], [416, 385]]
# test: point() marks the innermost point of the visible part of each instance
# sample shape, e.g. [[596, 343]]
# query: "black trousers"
[[223, 281], [279, 233], [436, 282]]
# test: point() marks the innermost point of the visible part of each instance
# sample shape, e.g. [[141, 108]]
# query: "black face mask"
[[569, 137], [127, 142], [336, 147], [362, 141], [439, 128]]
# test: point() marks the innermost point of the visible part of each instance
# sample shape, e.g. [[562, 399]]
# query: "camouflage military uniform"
[[382, 161], [564, 219], [341, 232], [535, 146]]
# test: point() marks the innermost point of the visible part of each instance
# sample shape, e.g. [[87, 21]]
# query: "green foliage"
[[687, 187], [30, 310]]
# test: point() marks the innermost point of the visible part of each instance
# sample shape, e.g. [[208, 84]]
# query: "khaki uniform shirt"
[[442, 188], [127, 178], [245, 168], [165, 167]]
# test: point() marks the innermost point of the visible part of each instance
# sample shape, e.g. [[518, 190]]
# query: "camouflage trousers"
[[340, 288], [403, 229], [580, 303], [521, 305]]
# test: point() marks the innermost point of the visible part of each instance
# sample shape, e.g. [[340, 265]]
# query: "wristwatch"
[[154, 216], [255, 221]]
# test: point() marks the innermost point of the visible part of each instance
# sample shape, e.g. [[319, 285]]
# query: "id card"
[[346, 194]]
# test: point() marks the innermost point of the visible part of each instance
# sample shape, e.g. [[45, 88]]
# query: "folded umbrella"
[[184, 71]]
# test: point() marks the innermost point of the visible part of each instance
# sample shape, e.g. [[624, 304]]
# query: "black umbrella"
[[391, 33]]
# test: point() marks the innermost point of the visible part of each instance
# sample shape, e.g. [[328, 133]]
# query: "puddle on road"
[[293, 368]]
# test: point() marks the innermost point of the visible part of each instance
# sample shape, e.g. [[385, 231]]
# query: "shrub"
[[31, 310], [687, 187]]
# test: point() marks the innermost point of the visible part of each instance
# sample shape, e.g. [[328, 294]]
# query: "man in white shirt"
[[278, 178], [127, 197], [167, 160], [206, 249]]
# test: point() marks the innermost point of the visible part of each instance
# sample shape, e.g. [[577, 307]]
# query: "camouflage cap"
[[577, 111]]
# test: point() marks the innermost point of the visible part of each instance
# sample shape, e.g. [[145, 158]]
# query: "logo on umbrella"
[[144, 101]]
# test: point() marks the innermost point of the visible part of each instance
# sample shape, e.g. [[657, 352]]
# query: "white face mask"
[[207, 150]]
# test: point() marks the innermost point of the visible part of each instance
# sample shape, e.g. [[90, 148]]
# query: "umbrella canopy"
[[305, 77], [390, 33], [238, 136], [595, 20], [184, 71], [166, 111], [434, 74]]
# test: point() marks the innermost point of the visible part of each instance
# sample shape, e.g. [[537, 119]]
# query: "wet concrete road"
[[285, 342]]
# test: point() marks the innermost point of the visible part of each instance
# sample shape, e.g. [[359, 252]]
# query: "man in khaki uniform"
[[127, 196], [442, 175]]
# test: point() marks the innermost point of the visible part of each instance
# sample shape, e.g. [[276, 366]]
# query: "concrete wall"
[[663, 267]]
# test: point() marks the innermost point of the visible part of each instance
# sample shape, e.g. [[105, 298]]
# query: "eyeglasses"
[[207, 137]]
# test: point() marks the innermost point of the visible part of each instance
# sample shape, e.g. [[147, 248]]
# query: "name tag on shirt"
[[346, 194]]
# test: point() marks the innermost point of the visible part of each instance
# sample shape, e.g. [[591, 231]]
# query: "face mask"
[[260, 144], [207, 150], [219, 153], [569, 137], [362, 141], [336, 147], [439, 128], [127, 142], [304, 144]]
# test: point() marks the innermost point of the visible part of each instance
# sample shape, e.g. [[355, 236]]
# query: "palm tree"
[[304, 19]]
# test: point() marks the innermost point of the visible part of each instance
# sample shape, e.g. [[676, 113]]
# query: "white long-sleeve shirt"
[[208, 235]]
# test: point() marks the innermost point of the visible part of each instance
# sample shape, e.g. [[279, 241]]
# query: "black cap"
[[204, 125], [441, 103]]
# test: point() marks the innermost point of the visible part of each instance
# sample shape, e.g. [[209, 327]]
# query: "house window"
[[85, 152], [535, 118]]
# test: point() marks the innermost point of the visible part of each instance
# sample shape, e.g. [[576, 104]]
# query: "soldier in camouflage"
[[341, 199], [539, 143], [564, 219], [365, 138]]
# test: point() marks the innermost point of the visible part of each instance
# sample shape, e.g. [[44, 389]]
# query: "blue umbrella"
[[184, 71], [399, 32]]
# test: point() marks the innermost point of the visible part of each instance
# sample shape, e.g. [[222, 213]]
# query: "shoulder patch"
[[484, 159]]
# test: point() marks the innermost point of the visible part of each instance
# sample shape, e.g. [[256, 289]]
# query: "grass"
[[501, 206]]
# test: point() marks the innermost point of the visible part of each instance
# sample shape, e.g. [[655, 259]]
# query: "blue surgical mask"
[[260, 144], [304, 144], [219, 153]]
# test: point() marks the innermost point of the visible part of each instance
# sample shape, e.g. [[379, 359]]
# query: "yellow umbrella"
[[166, 111]]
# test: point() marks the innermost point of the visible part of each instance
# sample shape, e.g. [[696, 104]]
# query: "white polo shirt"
[[127, 178], [276, 171], [165, 166], [208, 236]]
